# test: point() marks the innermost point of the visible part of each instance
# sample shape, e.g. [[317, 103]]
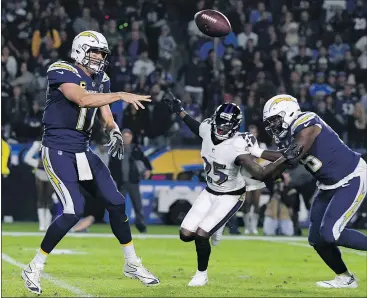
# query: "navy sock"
[[203, 251], [331, 255], [57, 231], [352, 239], [119, 223]]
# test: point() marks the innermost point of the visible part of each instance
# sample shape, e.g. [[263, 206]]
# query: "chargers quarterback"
[[76, 93], [223, 151], [342, 181]]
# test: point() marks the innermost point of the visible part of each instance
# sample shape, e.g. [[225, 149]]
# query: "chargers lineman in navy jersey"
[[342, 181], [76, 94]]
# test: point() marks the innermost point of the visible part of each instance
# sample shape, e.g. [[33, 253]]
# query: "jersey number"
[[312, 163], [216, 170], [82, 117]]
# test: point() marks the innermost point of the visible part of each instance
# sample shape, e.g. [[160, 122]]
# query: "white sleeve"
[[29, 159], [240, 145]]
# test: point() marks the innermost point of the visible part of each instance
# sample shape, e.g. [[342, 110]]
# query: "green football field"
[[91, 265]]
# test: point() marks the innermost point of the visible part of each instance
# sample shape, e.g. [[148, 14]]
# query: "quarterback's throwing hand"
[[173, 102], [116, 144], [135, 99]]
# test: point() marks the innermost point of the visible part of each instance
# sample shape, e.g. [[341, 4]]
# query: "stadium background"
[[314, 50]]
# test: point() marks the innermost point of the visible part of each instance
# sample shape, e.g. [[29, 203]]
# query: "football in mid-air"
[[212, 23]]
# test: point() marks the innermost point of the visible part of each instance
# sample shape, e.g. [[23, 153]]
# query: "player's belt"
[[238, 192]]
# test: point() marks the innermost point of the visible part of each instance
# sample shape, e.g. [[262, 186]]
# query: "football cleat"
[[136, 270], [31, 275], [199, 279], [217, 236], [246, 232], [340, 281]]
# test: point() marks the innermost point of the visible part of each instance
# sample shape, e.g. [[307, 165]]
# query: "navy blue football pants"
[[62, 171], [332, 210]]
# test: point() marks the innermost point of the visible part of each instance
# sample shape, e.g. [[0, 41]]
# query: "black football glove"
[[172, 102], [292, 152], [116, 144]]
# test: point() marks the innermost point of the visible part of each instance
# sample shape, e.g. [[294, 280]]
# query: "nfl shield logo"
[[93, 84], [101, 88]]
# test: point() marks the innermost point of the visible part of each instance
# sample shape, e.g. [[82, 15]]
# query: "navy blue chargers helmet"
[[226, 121]]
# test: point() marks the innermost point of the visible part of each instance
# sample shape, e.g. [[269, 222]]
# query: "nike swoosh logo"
[[306, 124], [345, 185], [60, 72]]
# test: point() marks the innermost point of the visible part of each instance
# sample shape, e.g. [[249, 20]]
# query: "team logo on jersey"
[[100, 89], [83, 84]]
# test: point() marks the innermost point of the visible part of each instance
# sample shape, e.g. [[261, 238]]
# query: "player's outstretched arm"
[[271, 171], [304, 138], [176, 107], [84, 99]]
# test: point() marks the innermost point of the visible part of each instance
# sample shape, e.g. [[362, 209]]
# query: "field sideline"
[[91, 265]]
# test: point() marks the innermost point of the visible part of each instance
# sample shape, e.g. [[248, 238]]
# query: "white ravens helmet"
[[82, 45], [279, 113]]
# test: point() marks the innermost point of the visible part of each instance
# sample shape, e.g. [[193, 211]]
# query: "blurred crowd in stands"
[[315, 50]]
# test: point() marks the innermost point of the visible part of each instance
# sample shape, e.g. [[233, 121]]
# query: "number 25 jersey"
[[222, 174], [67, 126], [329, 160]]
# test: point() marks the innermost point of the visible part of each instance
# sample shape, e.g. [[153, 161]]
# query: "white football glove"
[[116, 144], [252, 144], [250, 139]]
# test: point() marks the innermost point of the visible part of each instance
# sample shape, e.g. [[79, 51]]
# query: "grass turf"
[[237, 268]]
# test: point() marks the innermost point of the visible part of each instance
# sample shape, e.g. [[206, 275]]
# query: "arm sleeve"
[[29, 159], [193, 125]]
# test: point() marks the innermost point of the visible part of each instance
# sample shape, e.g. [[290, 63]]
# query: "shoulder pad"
[[62, 65], [304, 120], [105, 78]]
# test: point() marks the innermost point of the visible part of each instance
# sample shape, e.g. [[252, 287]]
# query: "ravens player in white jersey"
[[224, 152], [76, 93], [342, 181]]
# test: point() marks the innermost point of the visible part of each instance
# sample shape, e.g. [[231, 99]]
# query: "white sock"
[[254, 221], [40, 257], [129, 251], [246, 221], [202, 272], [41, 217]]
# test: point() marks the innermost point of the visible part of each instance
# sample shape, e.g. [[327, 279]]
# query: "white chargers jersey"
[[222, 174]]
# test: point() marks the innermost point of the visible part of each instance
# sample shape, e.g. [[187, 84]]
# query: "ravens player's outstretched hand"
[[116, 144], [172, 102], [135, 99], [293, 152]]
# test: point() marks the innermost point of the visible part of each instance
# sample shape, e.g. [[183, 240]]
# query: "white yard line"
[[346, 250], [58, 282], [295, 241], [154, 236]]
